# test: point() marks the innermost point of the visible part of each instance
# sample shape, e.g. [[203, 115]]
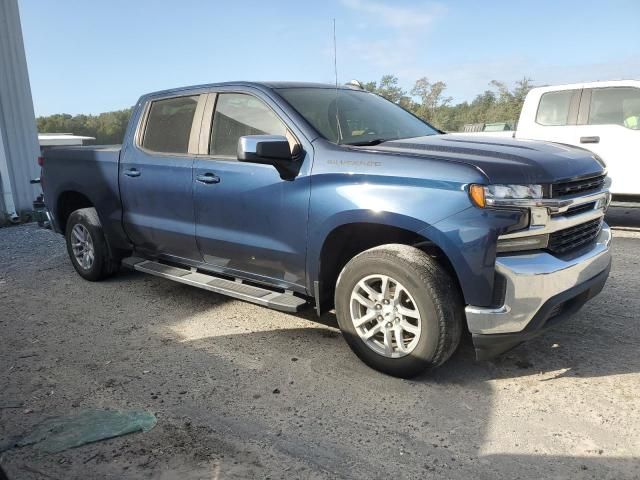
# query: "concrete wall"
[[18, 135]]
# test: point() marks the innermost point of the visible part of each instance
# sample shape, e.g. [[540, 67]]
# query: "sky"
[[92, 56]]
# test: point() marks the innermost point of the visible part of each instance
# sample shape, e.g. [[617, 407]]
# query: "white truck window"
[[615, 106], [553, 109]]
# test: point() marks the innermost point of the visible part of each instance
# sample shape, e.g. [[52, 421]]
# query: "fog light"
[[522, 243]]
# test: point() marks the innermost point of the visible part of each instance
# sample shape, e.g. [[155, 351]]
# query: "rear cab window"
[[169, 124]]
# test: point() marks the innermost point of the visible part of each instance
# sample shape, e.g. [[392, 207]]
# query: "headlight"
[[496, 195]]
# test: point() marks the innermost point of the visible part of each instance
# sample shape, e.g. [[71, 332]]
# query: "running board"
[[285, 302]]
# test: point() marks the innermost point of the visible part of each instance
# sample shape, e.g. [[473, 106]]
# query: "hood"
[[503, 160]]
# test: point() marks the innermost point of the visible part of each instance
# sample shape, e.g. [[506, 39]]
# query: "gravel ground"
[[245, 392]]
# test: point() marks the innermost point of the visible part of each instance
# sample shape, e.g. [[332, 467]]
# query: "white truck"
[[603, 117]]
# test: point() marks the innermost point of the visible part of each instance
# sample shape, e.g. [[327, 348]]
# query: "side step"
[[285, 302]]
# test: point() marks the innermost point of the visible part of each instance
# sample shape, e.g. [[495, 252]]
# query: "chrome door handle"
[[208, 178], [132, 172], [589, 139]]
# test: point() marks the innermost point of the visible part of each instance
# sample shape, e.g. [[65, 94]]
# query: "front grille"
[[577, 186], [577, 209], [569, 239]]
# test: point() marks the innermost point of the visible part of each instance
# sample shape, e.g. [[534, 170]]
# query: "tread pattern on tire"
[[109, 264], [442, 289]]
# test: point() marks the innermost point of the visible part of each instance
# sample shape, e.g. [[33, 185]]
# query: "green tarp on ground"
[[61, 433]]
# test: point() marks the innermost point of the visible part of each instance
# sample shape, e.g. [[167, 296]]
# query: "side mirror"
[[270, 150]]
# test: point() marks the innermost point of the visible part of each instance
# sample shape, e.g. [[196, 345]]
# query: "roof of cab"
[[268, 85], [596, 84]]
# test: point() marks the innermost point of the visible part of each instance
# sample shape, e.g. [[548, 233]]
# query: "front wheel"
[[87, 247], [400, 311]]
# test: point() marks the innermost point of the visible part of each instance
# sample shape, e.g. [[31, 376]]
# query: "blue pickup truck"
[[294, 194]]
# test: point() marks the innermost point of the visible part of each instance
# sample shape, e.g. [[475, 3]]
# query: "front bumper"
[[540, 289]]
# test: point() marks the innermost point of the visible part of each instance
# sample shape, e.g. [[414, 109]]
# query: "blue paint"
[[254, 225]]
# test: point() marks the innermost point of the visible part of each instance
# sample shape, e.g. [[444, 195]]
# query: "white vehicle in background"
[[603, 117], [48, 140]]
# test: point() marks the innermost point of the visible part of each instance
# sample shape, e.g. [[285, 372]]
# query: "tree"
[[432, 100], [107, 128], [431, 95], [388, 88], [510, 101]]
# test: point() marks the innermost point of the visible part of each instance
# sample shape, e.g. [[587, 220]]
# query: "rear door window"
[[554, 108], [237, 115], [169, 125], [615, 106]]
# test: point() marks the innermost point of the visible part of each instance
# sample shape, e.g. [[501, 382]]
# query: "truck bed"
[[91, 171]]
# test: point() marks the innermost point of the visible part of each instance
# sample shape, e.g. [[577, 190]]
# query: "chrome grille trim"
[[550, 216]]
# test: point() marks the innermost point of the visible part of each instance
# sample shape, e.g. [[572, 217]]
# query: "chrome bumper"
[[533, 279]]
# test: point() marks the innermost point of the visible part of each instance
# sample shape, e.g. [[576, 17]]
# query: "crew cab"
[[295, 194], [602, 117]]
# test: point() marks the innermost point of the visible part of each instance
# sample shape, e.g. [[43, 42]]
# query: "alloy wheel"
[[385, 316], [82, 245]]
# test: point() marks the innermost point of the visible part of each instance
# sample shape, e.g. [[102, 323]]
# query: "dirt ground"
[[241, 391]]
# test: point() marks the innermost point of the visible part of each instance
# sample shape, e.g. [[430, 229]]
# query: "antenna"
[[335, 69], [335, 53]]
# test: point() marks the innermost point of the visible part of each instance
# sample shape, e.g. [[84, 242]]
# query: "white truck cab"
[[603, 117]]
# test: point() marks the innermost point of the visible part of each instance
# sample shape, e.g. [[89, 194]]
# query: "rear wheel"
[[87, 247], [399, 310]]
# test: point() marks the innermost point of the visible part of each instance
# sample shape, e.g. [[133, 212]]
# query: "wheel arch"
[[347, 240], [68, 202]]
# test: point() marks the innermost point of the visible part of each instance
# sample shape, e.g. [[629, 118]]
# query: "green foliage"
[[432, 104], [427, 100], [388, 88], [107, 128]]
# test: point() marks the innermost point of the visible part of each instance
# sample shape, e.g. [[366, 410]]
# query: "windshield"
[[354, 117]]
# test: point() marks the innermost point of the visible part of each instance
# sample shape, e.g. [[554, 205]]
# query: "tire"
[[83, 234], [429, 304]]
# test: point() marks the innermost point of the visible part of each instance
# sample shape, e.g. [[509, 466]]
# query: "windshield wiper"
[[368, 143]]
